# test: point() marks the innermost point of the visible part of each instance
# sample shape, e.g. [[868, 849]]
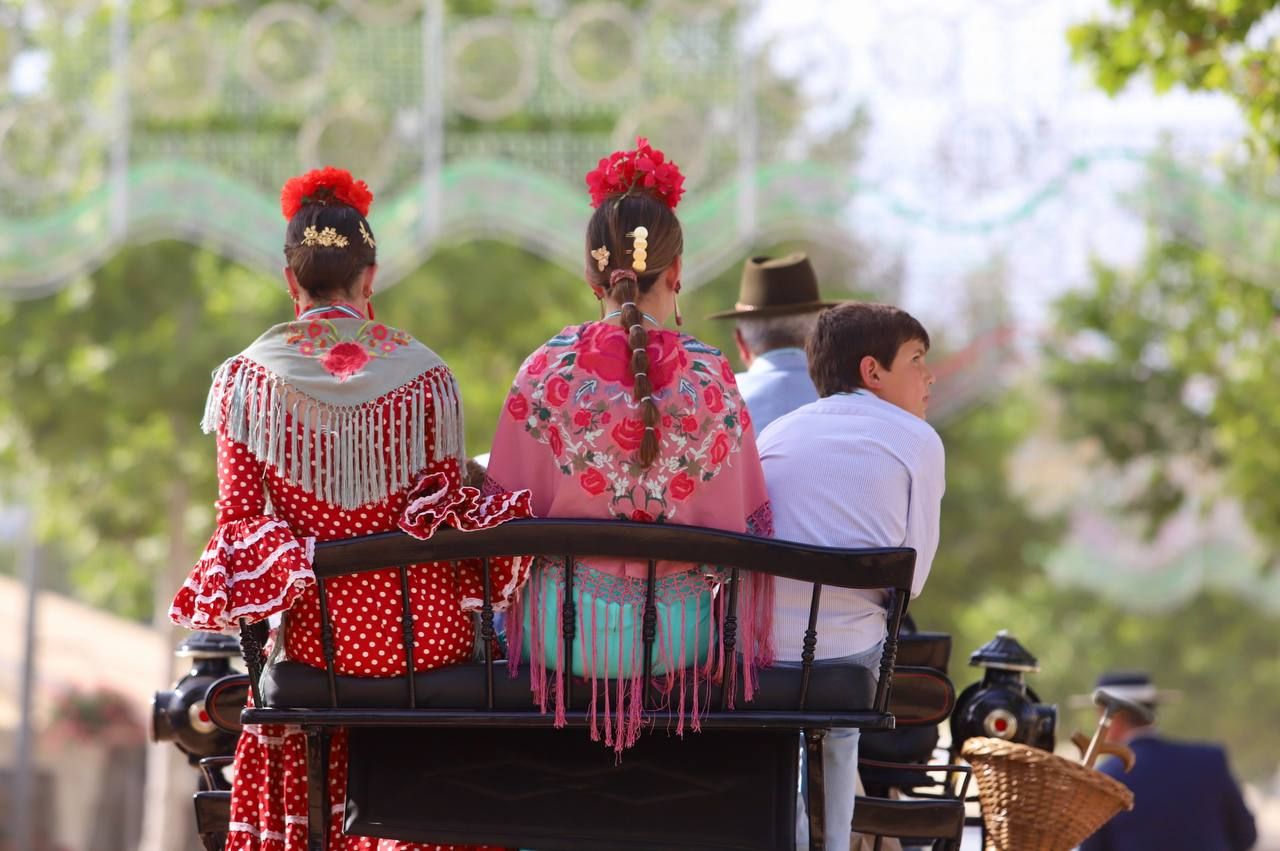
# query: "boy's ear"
[[869, 370]]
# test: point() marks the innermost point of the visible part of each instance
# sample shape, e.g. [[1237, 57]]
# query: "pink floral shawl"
[[569, 433]]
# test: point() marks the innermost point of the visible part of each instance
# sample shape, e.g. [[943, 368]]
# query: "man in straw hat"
[[1185, 798], [778, 303]]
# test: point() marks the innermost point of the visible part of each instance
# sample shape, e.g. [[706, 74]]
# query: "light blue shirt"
[[850, 470], [777, 383]]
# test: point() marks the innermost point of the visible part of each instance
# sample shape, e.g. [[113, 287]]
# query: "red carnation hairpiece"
[[309, 188], [645, 167]]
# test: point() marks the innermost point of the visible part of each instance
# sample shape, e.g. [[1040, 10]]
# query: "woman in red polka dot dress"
[[332, 426]]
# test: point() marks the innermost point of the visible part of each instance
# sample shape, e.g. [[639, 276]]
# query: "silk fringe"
[[346, 455]]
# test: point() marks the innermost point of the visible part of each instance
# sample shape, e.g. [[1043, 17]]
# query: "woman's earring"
[[679, 318]]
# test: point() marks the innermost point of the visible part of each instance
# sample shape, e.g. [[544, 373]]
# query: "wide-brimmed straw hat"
[[776, 286], [1129, 685]]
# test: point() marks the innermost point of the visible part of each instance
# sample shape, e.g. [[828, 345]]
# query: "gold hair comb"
[[328, 238], [640, 251], [366, 236], [601, 256]]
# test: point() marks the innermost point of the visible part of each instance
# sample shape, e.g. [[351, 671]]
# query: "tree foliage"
[[1217, 46]]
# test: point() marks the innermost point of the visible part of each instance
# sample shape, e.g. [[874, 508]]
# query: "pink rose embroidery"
[[593, 482], [689, 424], [641, 516], [682, 485], [582, 418], [557, 391], [518, 406], [628, 434], [537, 364], [557, 444], [714, 398], [345, 360], [726, 372], [720, 448]]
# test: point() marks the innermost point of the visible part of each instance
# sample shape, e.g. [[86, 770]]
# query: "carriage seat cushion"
[[832, 688]]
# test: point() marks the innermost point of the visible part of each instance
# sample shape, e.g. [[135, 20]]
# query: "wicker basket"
[[1033, 800]]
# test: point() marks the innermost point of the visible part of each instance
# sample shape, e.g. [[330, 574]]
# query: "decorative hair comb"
[[601, 256], [323, 186], [643, 168], [327, 238]]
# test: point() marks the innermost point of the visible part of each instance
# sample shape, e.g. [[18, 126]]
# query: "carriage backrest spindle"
[[569, 614], [326, 641], [810, 644], [487, 634], [406, 629], [650, 629]]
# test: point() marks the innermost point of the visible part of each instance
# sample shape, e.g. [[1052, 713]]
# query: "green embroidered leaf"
[[544, 414]]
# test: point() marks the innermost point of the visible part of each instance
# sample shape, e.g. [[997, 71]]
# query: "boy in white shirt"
[[860, 467]]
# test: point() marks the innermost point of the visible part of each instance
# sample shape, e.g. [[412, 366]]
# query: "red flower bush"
[[322, 184], [345, 360], [643, 168]]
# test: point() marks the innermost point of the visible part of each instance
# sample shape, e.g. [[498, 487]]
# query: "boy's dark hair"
[[847, 333]]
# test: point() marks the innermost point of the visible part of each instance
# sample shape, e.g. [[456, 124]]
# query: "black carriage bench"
[[460, 755]]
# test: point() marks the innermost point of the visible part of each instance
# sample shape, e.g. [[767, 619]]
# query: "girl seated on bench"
[[622, 418]]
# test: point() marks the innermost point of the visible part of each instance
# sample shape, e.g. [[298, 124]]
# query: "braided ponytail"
[[610, 228], [626, 288]]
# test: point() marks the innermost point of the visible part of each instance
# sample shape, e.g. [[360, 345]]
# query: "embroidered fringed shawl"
[[384, 377], [569, 432]]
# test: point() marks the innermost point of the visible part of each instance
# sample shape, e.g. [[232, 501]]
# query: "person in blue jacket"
[[1185, 798]]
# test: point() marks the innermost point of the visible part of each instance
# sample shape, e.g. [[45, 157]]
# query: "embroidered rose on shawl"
[[593, 481], [745, 416], [571, 397], [720, 448], [344, 356], [557, 390], [682, 486], [537, 364], [628, 434], [713, 396], [518, 407], [345, 360], [726, 372], [606, 353]]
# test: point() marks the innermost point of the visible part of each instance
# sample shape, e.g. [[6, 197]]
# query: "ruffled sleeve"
[[251, 570], [254, 566], [437, 500]]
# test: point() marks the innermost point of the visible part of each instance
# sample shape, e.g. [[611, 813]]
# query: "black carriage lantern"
[[1002, 705], [200, 714]]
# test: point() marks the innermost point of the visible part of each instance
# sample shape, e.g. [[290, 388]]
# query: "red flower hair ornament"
[[643, 168], [321, 186]]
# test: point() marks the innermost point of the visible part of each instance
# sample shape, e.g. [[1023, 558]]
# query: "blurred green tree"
[[1217, 46]]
